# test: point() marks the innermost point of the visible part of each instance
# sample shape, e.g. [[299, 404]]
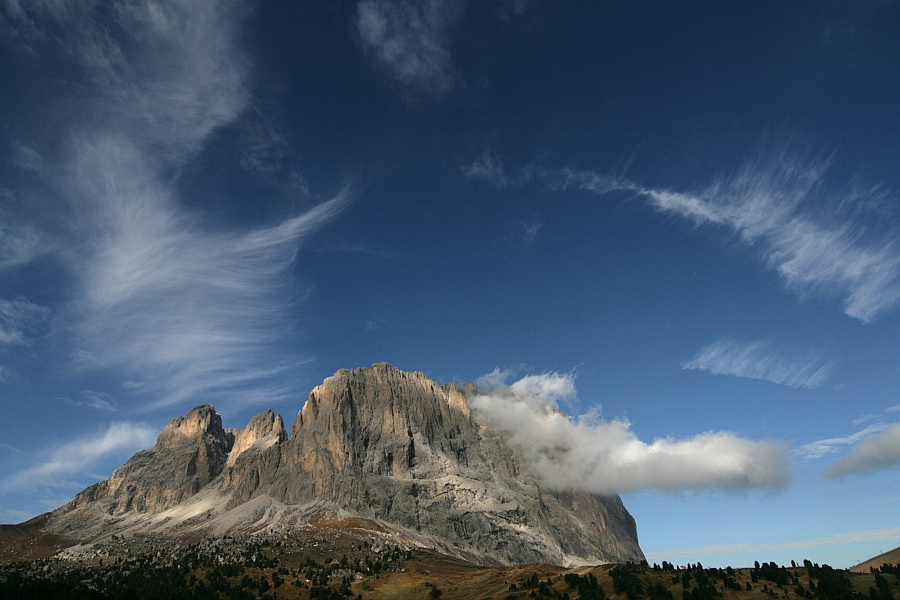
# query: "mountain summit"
[[378, 443]]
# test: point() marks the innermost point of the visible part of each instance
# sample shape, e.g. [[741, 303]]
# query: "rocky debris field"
[[317, 561]]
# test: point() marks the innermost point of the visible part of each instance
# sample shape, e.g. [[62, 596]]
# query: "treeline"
[[587, 587], [190, 576]]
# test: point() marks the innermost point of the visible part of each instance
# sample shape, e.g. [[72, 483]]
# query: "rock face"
[[263, 430], [189, 453], [382, 444]]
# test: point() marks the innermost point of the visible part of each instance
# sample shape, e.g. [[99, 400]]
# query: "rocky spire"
[[263, 430]]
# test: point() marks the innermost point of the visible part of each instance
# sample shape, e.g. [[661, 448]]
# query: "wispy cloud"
[[375, 324], [92, 399], [11, 515], [9, 449], [181, 310], [762, 360], [820, 448], [20, 244], [167, 301], [870, 454], [871, 535], [606, 457], [486, 167], [410, 40], [819, 242], [17, 318], [70, 464], [513, 8]]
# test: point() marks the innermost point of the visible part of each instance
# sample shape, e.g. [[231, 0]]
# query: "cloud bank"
[[872, 454], [409, 40], [818, 243], [606, 457], [760, 360]]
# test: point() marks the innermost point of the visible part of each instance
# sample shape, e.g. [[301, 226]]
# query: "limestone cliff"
[[189, 454], [379, 443]]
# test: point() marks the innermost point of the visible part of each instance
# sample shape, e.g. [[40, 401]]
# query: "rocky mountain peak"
[[377, 419], [263, 430], [378, 443], [202, 424]]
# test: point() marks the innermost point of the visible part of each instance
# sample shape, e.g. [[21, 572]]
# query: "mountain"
[[891, 557], [390, 447]]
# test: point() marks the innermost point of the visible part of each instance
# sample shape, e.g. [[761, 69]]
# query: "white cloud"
[[11, 515], [606, 457], [375, 324], [17, 317], [548, 388], [871, 535], [185, 311], [782, 210], [531, 231], [871, 454], [487, 168], [167, 301], [761, 360], [494, 380], [512, 8], [92, 399], [164, 73], [410, 40], [820, 448], [10, 449], [75, 460], [20, 244]]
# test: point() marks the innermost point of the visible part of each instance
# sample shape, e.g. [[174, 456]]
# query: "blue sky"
[[677, 225]]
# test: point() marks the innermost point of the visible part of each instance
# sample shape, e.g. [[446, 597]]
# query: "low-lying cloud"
[[606, 457], [762, 360]]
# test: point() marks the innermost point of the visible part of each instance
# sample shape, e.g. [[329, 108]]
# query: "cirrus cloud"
[[69, 464], [409, 39], [172, 304], [819, 242], [762, 360]]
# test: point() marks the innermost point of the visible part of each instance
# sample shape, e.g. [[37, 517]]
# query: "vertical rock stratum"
[[378, 443]]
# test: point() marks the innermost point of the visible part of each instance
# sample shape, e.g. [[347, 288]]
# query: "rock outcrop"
[[263, 430], [189, 454], [378, 443]]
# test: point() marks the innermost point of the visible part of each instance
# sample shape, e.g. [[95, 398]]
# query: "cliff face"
[[189, 453], [383, 444]]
